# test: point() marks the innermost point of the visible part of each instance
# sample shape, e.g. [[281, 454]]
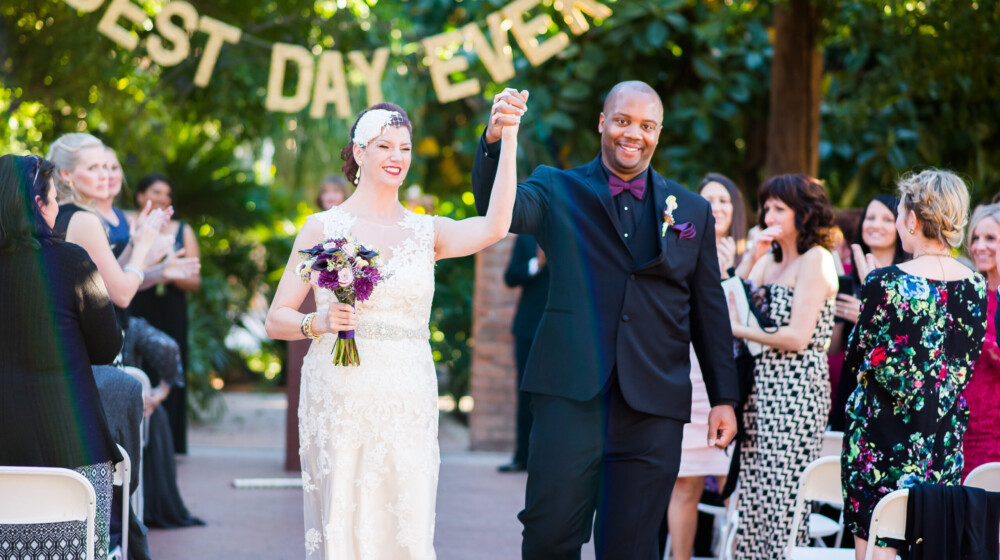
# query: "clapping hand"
[[508, 107], [863, 263], [726, 247], [177, 268]]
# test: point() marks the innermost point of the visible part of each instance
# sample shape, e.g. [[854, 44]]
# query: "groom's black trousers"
[[597, 455]]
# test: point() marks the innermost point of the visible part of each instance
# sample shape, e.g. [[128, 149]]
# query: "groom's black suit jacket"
[[606, 310]]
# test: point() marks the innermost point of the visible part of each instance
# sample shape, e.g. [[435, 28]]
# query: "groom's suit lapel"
[[659, 192], [599, 187]]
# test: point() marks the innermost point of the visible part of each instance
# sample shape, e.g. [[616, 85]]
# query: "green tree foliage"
[[911, 84]]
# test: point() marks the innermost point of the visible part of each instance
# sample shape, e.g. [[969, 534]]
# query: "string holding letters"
[[322, 77]]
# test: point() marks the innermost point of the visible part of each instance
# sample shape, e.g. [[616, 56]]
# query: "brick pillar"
[[494, 371]]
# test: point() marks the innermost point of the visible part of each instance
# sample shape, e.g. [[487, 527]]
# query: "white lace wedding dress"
[[368, 433]]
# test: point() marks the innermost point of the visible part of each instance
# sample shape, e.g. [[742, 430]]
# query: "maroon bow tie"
[[636, 186]]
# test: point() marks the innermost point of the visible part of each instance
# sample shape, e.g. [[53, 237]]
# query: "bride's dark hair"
[[350, 168]]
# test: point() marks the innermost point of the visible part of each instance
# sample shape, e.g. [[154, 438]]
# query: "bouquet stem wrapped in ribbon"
[[351, 271]]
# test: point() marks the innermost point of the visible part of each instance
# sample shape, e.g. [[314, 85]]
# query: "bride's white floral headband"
[[370, 125]]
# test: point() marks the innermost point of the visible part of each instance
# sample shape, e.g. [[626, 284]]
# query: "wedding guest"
[[877, 236], [730, 215], [849, 221], [121, 396], [333, 192], [81, 180], [160, 355], [912, 350], [982, 439], [120, 393], [699, 460], [165, 304], [786, 412], [58, 321], [526, 269]]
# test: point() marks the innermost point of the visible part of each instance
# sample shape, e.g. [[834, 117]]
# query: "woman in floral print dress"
[[913, 349]]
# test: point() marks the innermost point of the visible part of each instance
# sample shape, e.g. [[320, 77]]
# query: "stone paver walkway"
[[477, 506]]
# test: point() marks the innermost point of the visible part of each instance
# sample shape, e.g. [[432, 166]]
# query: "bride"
[[368, 433]]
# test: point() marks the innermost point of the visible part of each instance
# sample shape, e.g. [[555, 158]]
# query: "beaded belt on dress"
[[384, 331]]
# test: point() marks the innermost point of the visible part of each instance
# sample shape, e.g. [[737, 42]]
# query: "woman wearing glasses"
[[58, 321]]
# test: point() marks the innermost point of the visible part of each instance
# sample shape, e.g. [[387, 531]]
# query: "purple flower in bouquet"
[[363, 288], [328, 279]]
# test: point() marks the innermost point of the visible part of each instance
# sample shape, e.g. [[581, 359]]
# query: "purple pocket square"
[[685, 230]]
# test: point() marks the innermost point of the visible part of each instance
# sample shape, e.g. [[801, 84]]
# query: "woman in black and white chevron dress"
[[786, 412]]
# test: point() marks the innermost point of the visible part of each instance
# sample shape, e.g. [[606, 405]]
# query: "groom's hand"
[[721, 426], [508, 106]]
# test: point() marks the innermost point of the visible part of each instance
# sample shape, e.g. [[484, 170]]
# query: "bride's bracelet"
[[307, 326]]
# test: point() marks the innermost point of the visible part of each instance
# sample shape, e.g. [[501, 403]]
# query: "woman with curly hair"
[[912, 350], [786, 411]]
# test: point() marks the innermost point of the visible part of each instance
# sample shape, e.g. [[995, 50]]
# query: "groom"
[[634, 282]]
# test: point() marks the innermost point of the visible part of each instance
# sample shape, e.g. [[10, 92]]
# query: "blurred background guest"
[[848, 221], [982, 439], [877, 236], [912, 350], [730, 215], [58, 321], [334, 190], [81, 180], [698, 459], [526, 269], [165, 304], [787, 410]]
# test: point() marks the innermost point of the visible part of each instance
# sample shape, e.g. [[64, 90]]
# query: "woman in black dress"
[[912, 350], [165, 304], [57, 322]]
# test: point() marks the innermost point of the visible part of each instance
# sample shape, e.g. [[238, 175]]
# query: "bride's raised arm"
[[458, 238]]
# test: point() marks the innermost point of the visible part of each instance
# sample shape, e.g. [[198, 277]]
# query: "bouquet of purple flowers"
[[351, 271]]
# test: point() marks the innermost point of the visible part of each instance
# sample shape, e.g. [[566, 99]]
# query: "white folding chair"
[[820, 482], [147, 389], [47, 495], [888, 520], [833, 444], [820, 525], [986, 476], [123, 473]]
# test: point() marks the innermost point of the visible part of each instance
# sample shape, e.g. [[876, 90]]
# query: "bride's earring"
[[357, 176]]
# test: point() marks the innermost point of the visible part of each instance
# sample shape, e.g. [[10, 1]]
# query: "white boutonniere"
[[668, 214]]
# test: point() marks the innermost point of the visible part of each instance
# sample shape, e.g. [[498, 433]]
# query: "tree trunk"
[[796, 72]]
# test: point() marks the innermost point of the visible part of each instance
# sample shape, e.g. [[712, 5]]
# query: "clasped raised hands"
[[505, 116]]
